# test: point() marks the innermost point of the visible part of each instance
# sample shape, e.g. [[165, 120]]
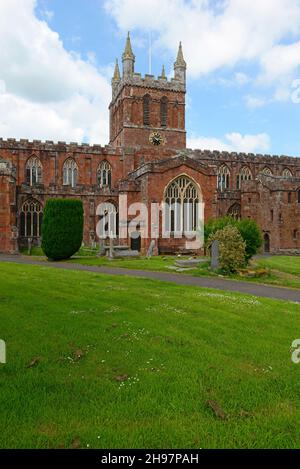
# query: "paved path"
[[216, 283]]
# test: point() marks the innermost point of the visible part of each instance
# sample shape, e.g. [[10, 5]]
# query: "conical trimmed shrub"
[[62, 228]]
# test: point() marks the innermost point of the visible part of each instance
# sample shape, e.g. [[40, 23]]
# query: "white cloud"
[[280, 62], [253, 102], [241, 78], [232, 142], [47, 92], [48, 14], [239, 31]]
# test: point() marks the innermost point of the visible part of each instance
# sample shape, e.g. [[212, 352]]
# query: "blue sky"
[[243, 62]]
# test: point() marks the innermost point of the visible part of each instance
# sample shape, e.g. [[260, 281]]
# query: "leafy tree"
[[62, 228], [251, 234], [216, 224], [248, 228]]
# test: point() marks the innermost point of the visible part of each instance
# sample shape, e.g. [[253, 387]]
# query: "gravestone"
[[111, 249], [2, 351], [151, 248], [215, 264], [29, 246], [185, 263], [125, 254], [102, 249]]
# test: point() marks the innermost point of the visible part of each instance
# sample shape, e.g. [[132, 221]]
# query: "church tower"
[[147, 111]]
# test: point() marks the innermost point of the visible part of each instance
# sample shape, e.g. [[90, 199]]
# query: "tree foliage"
[[62, 229], [248, 229], [232, 248]]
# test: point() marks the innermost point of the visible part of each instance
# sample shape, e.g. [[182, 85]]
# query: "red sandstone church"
[[147, 160]]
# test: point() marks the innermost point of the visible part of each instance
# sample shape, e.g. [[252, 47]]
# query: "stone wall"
[[8, 228]]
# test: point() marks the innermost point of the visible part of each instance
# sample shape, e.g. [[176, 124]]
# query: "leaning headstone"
[[111, 249], [215, 264], [102, 250], [151, 249]]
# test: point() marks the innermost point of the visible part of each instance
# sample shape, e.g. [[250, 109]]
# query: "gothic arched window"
[[286, 174], [146, 109], [70, 173], [244, 175], [164, 112], [33, 171], [223, 177], [181, 206], [235, 211], [31, 218], [267, 172], [104, 174]]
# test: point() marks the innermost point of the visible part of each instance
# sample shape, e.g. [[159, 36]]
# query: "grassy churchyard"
[[270, 270], [96, 361]]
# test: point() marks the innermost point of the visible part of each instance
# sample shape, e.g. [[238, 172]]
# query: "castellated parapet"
[[149, 81], [60, 146]]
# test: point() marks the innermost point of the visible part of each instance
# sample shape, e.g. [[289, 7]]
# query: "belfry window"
[[223, 178], [181, 206], [31, 218], [104, 174], [244, 175], [146, 109], [70, 173], [164, 112], [33, 171]]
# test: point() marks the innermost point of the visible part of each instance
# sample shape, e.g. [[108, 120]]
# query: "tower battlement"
[[133, 78], [145, 105]]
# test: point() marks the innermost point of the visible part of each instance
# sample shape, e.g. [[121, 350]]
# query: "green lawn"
[[281, 270], [288, 264], [125, 362]]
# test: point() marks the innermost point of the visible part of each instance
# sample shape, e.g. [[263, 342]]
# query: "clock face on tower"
[[156, 139]]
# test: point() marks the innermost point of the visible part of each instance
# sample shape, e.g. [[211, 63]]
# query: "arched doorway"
[[135, 241], [235, 211], [266, 243]]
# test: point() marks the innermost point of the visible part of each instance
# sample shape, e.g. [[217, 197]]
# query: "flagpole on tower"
[[150, 53]]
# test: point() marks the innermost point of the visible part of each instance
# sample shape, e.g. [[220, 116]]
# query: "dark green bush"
[[62, 229], [216, 224], [251, 234], [248, 229]]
